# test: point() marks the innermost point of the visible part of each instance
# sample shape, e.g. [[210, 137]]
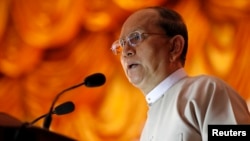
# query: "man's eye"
[[134, 38]]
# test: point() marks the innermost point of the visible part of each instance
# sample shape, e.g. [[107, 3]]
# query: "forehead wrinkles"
[[140, 20]]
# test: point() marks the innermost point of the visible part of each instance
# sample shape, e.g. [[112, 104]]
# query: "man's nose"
[[128, 50]]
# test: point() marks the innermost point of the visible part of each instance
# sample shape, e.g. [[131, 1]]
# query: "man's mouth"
[[132, 66]]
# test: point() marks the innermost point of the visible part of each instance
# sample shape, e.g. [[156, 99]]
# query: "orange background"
[[47, 46]]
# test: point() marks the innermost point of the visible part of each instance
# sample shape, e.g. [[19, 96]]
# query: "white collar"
[[159, 90]]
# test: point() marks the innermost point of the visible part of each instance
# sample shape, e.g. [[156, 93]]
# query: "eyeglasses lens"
[[134, 38]]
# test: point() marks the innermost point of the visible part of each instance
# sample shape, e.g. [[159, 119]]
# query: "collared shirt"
[[189, 105], [161, 88]]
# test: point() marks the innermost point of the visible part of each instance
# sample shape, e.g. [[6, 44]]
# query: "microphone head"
[[95, 80], [64, 108]]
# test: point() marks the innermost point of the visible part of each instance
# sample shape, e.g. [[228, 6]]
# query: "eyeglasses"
[[133, 39]]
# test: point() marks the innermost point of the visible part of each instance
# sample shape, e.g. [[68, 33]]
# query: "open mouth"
[[132, 66]]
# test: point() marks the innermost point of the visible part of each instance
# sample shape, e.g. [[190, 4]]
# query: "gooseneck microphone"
[[64, 108], [94, 80]]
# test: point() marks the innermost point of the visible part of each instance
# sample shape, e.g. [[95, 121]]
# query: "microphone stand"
[[93, 80], [48, 118]]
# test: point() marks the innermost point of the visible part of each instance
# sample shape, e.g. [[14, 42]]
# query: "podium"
[[11, 129]]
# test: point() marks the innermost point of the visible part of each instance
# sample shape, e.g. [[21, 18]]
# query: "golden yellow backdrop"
[[47, 46]]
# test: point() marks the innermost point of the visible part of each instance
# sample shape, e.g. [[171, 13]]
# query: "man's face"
[[146, 64]]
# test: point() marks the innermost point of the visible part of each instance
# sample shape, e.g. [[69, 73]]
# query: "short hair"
[[173, 24]]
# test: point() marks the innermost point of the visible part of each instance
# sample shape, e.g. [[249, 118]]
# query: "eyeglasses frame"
[[117, 44]]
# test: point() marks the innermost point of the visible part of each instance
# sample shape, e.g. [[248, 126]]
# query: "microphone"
[[94, 80], [64, 108]]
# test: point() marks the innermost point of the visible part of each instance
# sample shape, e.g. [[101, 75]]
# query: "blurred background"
[[47, 46]]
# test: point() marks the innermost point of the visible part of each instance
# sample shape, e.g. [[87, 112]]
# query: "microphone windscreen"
[[95, 80], [64, 108]]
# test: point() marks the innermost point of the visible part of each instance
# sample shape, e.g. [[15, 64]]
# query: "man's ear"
[[177, 45]]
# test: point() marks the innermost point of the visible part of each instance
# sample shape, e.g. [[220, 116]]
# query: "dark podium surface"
[[11, 129]]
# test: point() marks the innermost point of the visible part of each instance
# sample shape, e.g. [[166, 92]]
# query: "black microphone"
[[94, 80], [64, 108]]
